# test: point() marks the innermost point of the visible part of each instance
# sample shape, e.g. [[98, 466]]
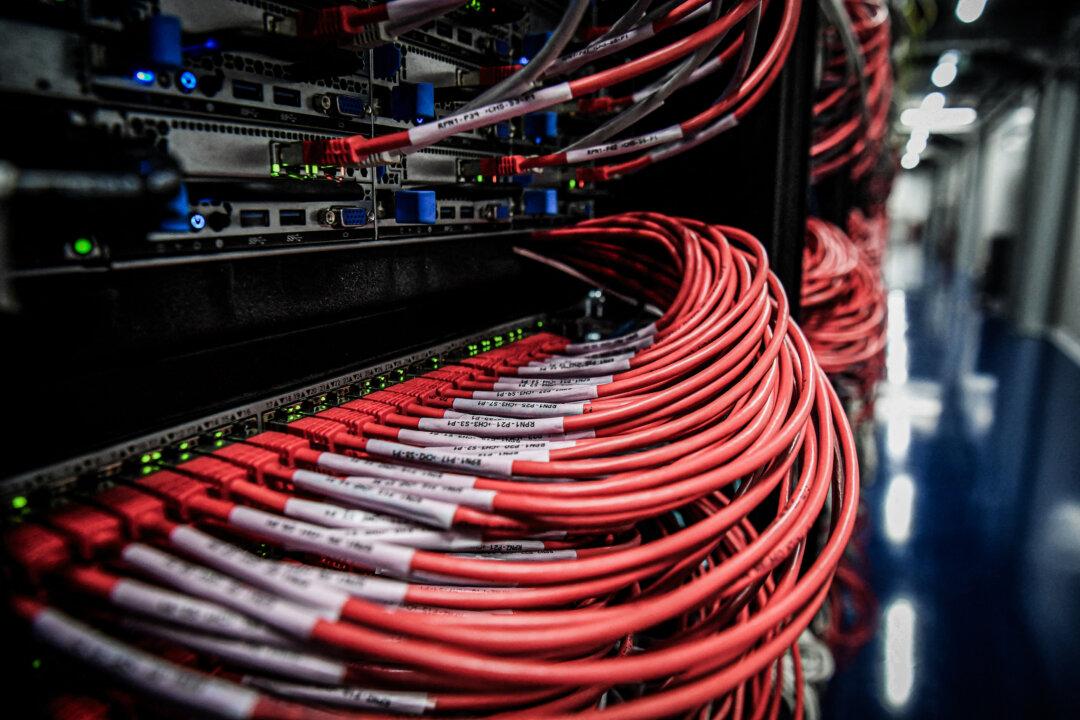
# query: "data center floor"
[[973, 503]]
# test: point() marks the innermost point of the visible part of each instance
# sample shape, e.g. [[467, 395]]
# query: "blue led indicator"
[[419, 121], [145, 77], [187, 80], [210, 43], [198, 222], [523, 60]]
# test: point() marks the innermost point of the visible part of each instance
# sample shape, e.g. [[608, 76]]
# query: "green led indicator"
[[19, 502], [219, 443], [147, 469], [479, 178], [145, 458], [185, 445], [156, 455], [36, 663], [573, 184], [83, 246], [475, 5], [539, 323], [275, 168], [219, 433], [184, 457]]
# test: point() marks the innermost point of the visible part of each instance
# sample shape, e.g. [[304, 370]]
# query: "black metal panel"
[[104, 356]]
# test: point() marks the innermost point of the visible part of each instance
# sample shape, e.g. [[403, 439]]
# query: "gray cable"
[[523, 79], [628, 19], [837, 15], [633, 114], [747, 53]]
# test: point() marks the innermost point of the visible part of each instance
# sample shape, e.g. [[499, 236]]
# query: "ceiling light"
[[932, 102], [943, 74], [941, 120], [968, 11]]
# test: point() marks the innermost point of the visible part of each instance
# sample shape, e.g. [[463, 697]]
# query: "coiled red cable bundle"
[[870, 233], [851, 108], [843, 305], [615, 529]]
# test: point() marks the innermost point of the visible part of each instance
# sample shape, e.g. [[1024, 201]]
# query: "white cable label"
[[337, 516], [634, 346], [323, 541], [532, 556], [621, 147], [366, 494], [468, 443], [723, 124], [600, 49], [606, 368], [142, 670], [454, 494], [276, 660], [368, 587], [490, 114], [267, 574], [424, 539], [426, 438], [467, 422], [498, 466], [373, 468], [411, 703], [576, 392], [565, 362], [503, 547], [520, 409], [208, 584], [183, 610], [505, 382]]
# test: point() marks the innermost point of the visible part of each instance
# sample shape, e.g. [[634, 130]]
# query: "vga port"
[[344, 217]]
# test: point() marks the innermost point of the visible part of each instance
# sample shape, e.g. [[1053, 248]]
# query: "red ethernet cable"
[[852, 112], [355, 149], [517, 533]]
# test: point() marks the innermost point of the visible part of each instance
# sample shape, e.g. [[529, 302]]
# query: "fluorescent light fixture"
[[938, 120], [916, 144], [943, 74], [909, 161], [968, 11], [899, 504], [933, 101], [899, 646]]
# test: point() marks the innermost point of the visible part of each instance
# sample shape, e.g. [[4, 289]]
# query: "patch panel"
[[24, 493]]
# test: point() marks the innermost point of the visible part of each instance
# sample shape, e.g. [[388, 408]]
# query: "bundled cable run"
[[851, 107], [640, 526], [716, 37]]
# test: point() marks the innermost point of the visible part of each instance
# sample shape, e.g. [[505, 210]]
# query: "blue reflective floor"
[[974, 503]]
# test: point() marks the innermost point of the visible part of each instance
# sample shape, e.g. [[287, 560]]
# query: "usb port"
[[244, 90], [291, 217], [448, 212], [467, 213], [286, 96], [254, 218]]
